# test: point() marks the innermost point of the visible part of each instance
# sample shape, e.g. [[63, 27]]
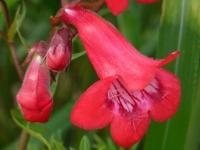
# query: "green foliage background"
[[155, 29]]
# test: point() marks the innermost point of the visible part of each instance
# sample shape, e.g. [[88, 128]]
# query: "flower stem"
[[15, 60], [5, 11], [11, 45], [23, 141], [2, 35], [24, 137]]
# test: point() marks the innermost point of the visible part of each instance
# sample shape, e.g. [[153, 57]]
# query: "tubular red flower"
[[59, 52], [34, 97], [132, 87]]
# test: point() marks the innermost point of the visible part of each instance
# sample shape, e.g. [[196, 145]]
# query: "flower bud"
[[34, 97], [59, 52]]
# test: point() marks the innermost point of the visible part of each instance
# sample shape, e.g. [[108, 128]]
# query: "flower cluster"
[[132, 89], [34, 97]]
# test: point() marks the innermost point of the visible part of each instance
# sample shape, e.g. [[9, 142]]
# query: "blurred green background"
[[156, 30]]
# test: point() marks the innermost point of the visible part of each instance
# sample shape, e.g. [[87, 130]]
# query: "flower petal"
[[114, 56], [59, 51], [38, 115], [169, 58], [91, 110], [34, 93], [167, 106], [126, 131], [117, 6]]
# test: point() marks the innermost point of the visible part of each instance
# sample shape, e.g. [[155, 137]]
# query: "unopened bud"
[[34, 97], [59, 52]]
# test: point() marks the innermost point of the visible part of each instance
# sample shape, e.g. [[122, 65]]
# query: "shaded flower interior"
[[122, 101]]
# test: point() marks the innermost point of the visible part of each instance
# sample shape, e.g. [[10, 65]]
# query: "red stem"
[[24, 137], [15, 60]]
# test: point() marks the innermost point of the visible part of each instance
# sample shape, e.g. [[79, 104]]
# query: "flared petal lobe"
[[128, 131], [59, 52], [131, 119], [110, 53], [34, 97], [117, 6], [166, 106], [91, 111]]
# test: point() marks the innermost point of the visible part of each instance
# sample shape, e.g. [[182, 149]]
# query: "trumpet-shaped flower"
[[34, 97], [132, 88]]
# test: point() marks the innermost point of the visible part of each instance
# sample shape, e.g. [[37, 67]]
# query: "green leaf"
[[56, 144], [193, 135], [84, 144], [54, 84], [99, 143], [180, 24], [16, 24], [57, 123], [30, 130], [129, 24], [134, 147], [71, 148], [22, 39], [110, 144], [77, 55]]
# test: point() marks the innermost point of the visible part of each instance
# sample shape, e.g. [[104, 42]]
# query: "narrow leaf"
[[180, 24], [84, 144], [56, 144], [77, 55], [129, 24], [16, 24], [24, 125]]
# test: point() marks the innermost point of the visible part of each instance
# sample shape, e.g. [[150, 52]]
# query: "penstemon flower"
[[34, 97], [132, 88], [59, 51], [118, 6]]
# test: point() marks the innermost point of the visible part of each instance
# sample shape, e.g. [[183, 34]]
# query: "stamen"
[[126, 102], [118, 95]]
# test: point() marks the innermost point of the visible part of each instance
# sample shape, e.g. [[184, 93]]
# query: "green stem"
[[23, 141], [5, 11]]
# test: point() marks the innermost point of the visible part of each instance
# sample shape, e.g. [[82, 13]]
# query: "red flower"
[[34, 97], [59, 52], [118, 6], [132, 88]]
